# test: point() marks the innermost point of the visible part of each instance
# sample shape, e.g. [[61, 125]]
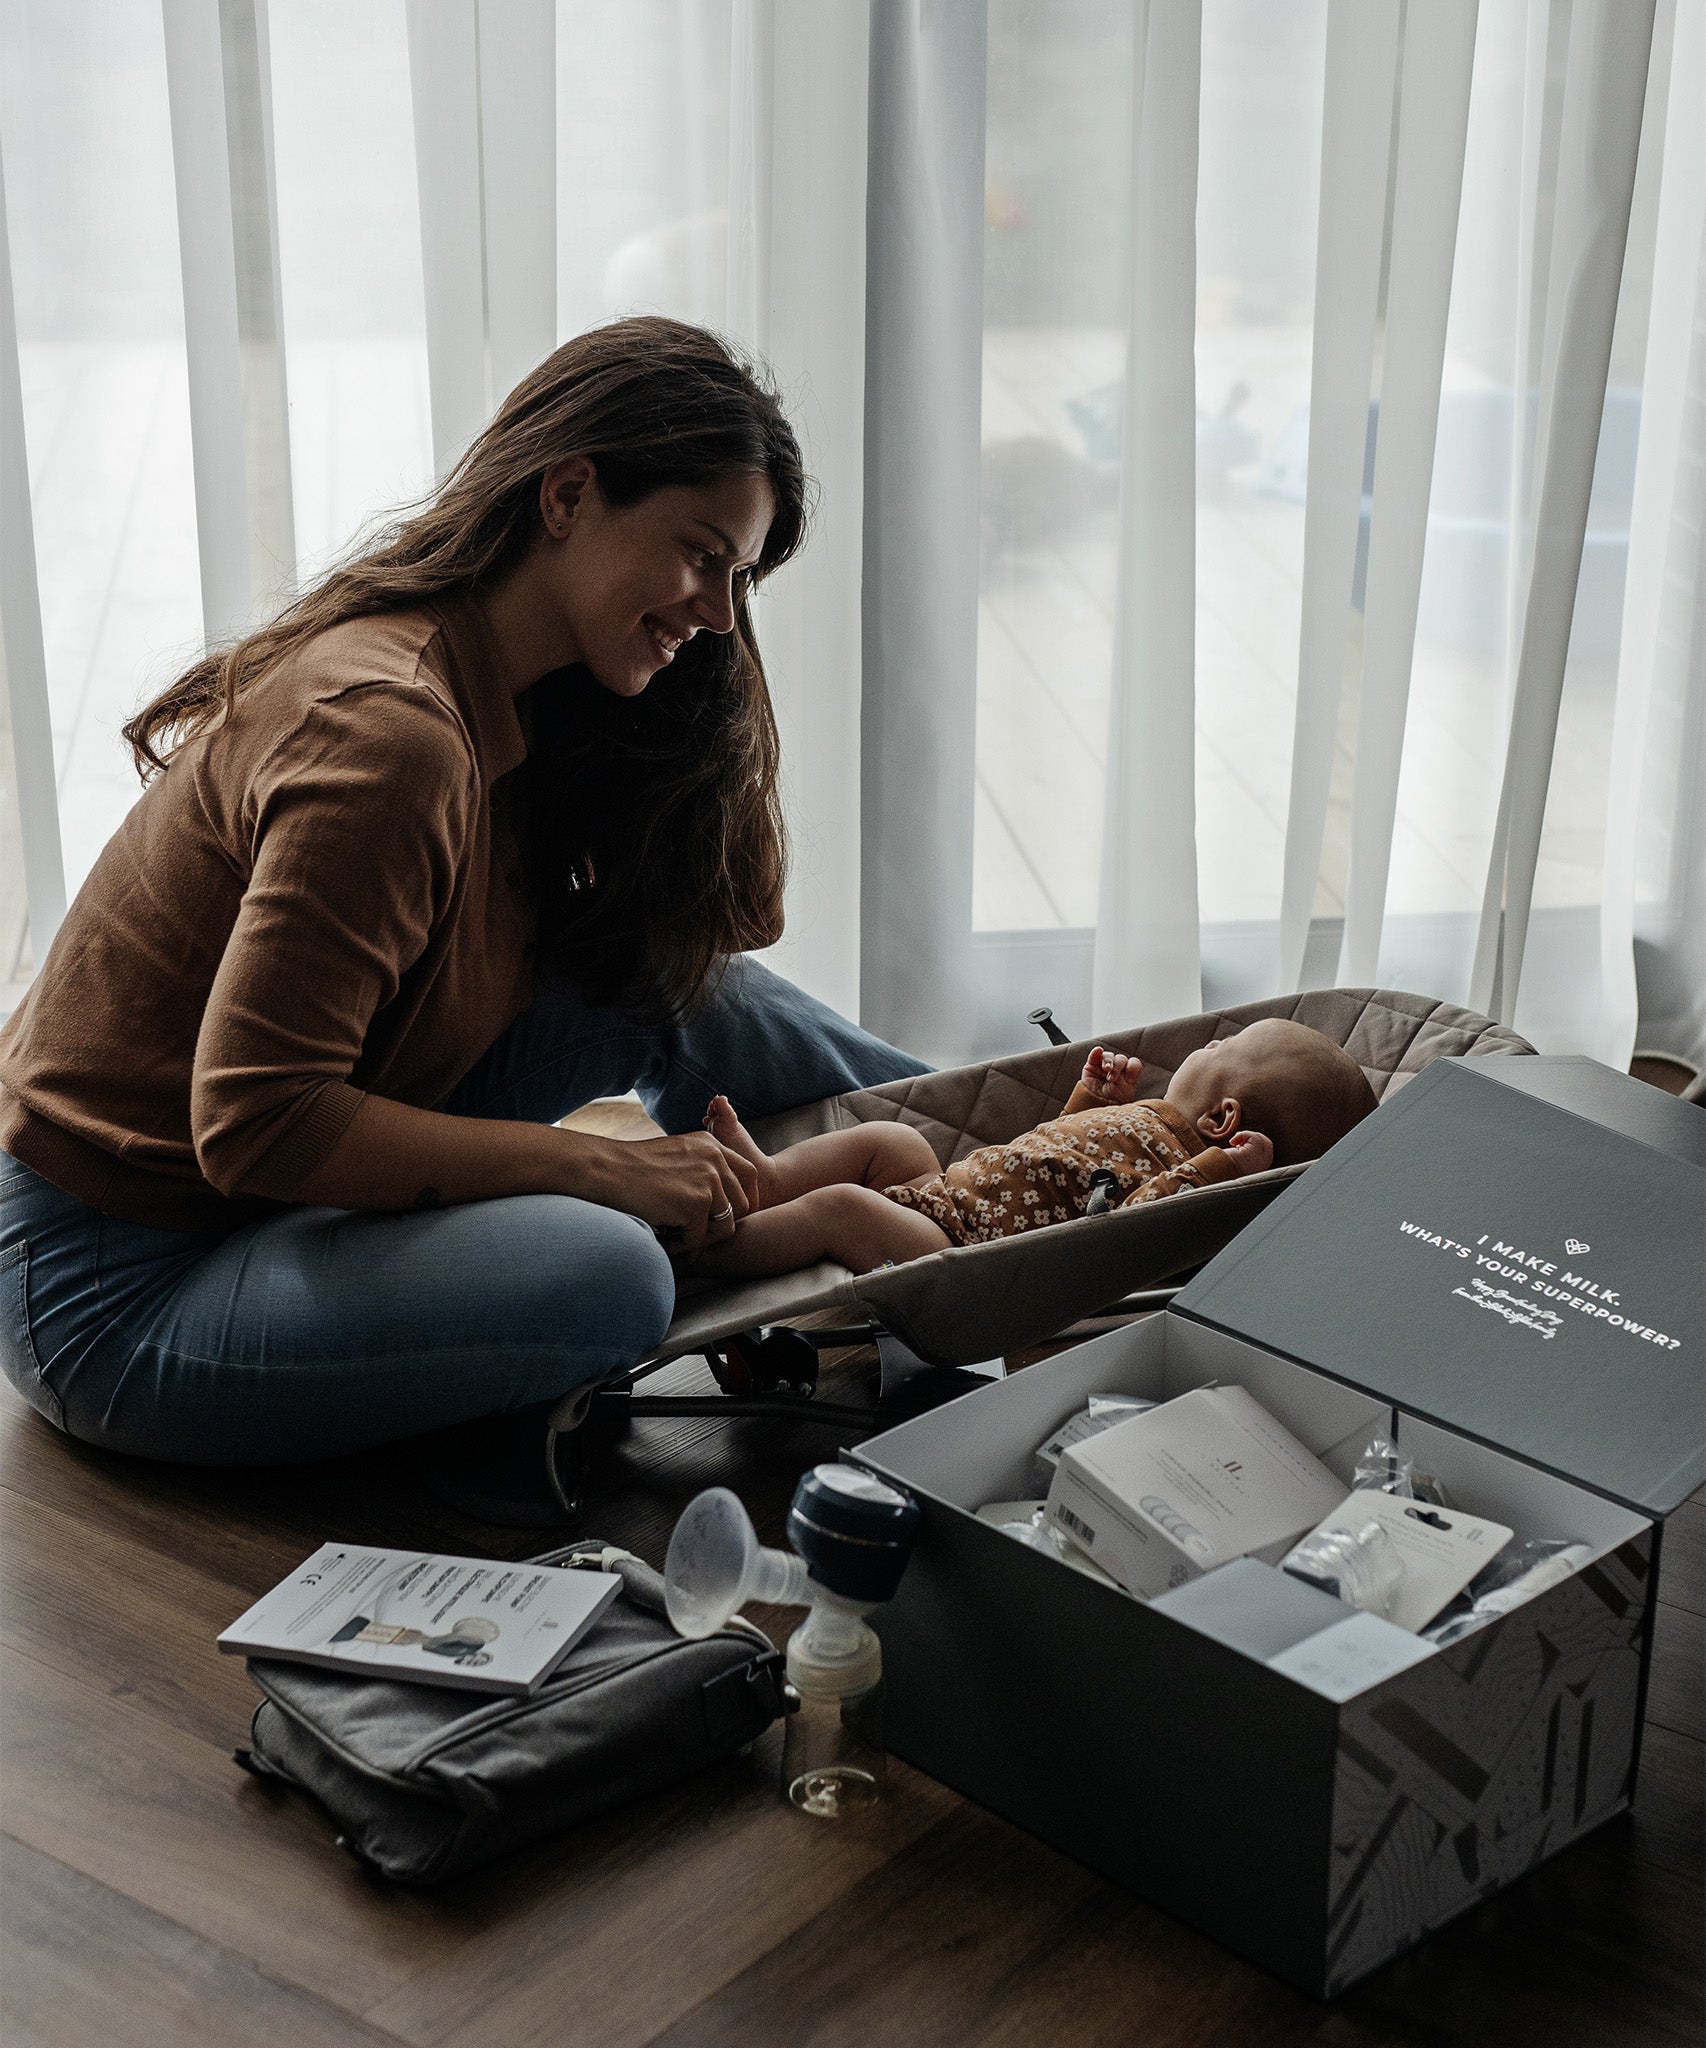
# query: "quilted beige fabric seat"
[[982, 1301]]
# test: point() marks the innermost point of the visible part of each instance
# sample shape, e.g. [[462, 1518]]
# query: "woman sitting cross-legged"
[[473, 832]]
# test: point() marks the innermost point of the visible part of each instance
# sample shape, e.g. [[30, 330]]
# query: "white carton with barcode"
[[1167, 1496]]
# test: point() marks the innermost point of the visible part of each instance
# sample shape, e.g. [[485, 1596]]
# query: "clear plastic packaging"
[[1360, 1566], [1519, 1572], [1383, 1468], [1026, 1521], [1426, 1488], [1102, 1413]]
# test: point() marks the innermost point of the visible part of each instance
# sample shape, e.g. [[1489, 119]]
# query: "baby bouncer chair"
[[975, 1303]]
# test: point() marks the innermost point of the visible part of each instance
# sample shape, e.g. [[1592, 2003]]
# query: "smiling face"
[[630, 585]]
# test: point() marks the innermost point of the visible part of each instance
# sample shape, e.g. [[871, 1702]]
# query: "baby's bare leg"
[[867, 1156], [874, 1155], [854, 1226]]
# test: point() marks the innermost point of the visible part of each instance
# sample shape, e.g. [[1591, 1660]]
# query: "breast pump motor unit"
[[853, 1536]]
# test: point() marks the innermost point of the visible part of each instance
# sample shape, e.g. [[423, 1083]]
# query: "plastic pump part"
[[854, 1531], [853, 1534], [716, 1564]]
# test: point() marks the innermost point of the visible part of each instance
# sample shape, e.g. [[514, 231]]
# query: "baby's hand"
[[1250, 1152], [1112, 1077]]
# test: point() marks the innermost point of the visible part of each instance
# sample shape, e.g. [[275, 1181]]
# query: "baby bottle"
[[852, 1536]]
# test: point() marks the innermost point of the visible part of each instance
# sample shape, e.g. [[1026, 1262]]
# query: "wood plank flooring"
[[154, 1894]]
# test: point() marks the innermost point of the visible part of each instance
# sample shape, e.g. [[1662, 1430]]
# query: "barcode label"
[[1081, 1529]]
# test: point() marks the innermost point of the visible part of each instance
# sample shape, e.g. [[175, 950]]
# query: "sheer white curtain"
[[218, 78], [923, 335], [1599, 137], [1147, 959], [1261, 450], [482, 75], [32, 895], [1361, 73], [814, 338], [1653, 911]]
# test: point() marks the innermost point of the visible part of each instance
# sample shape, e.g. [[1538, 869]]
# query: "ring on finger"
[[723, 1215]]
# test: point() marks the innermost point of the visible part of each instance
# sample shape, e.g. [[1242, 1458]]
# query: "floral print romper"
[[1045, 1175]]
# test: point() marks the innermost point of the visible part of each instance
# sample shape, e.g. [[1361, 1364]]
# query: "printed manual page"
[[459, 1621]]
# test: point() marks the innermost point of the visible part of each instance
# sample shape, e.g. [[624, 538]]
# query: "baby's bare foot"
[[727, 1129]]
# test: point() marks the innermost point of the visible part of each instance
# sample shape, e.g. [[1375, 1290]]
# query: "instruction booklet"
[[462, 1621]]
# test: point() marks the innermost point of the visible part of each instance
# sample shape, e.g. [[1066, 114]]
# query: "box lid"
[[1522, 1272], [1573, 1081]]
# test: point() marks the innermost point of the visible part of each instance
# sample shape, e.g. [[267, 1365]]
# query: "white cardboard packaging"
[[1161, 1499]]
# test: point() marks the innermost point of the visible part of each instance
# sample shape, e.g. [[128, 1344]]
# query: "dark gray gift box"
[[1512, 1286]]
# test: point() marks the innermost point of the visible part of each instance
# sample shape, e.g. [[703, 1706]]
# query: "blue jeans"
[[320, 1330]]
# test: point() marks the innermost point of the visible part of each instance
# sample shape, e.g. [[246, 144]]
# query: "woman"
[[471, 834]]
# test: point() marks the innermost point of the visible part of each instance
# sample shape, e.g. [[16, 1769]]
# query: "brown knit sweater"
[[316, 901]]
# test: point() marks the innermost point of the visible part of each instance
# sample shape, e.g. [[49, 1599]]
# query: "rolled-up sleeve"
[[356, 826], [1210, 1167]]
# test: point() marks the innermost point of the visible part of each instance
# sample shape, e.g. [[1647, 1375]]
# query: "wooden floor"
[[154, 1893]]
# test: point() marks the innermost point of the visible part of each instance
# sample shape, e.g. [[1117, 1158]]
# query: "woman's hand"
[[689, 1183], [394, 1156]]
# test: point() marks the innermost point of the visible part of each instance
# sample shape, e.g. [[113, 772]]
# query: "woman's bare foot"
[[727, 1129]]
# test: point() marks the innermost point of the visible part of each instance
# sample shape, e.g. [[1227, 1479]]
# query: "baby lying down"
[[1275, 1094]]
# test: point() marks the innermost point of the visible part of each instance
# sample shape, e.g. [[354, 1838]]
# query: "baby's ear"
[[1219, 1123]]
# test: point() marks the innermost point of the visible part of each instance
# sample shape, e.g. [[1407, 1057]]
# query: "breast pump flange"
[[852, 1535]]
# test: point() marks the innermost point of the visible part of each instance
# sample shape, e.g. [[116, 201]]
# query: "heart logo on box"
[[1575, 1247]]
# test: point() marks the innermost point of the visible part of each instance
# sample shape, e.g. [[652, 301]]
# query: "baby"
[[1275, 1094]]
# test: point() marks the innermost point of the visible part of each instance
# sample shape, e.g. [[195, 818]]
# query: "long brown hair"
[[653, 824]]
